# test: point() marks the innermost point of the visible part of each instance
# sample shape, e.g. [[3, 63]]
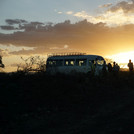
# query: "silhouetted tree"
[[108, 60], [1, 63], [34, 64]]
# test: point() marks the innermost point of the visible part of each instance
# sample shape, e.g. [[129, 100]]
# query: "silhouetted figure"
[[109, 67], [116, 69], [114, 66], [92, 67], [104, 66], [104, 70], [130, 65]]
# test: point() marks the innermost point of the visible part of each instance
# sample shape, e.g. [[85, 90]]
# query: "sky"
[[40, 27]]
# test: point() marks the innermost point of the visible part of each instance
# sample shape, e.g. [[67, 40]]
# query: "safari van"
[[74, 62]]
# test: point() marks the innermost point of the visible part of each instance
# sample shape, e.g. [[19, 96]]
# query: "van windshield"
[[100, 62]]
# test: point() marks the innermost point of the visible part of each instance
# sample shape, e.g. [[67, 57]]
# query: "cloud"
[[59, 12], [40, 50], [66, 46], [126, 6], [22, 52], [18, 24], [15, 65], [69, 12], [4, 52], [8, 28], [36, 23], [12, 48], [32, 26], [115, 19], [37, 50], [15, 21], [82, 36], [82, 14], [59, 48], [120, 13], [113, 14], [105, 5]]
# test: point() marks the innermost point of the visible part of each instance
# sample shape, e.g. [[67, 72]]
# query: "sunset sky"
[[39, 27]]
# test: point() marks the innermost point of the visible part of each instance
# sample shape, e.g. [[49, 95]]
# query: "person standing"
[[109, 67], [104, 69], [92, 67], [115, 69], [130, 66]]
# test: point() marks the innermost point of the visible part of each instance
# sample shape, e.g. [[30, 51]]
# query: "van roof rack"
[[66, 54]]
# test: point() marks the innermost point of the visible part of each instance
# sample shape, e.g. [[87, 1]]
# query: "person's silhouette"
[[130, 65]]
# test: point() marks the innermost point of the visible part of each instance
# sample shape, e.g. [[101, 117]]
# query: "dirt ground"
[[60, 104]]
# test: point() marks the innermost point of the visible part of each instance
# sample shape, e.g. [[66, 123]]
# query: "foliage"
[[32, 64], [109, 60], [1, 63]]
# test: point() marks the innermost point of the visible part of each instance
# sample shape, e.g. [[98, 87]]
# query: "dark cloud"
[[8, 28], [22, 25], [25, 25], [32, 26], [36, 23], [82, 36], [126, 6], [15, 21]]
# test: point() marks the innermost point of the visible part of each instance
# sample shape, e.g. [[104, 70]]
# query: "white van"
[[74, 63]]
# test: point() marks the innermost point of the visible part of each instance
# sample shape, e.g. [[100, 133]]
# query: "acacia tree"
[[1, 63], [33, 63]]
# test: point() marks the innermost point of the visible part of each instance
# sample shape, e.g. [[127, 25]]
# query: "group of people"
[[106, 68], [111, 69], [114, 68]]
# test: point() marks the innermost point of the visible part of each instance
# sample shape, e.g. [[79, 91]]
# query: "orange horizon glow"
[[122, 58]]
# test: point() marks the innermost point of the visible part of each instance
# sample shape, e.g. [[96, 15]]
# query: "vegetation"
[[72, 104], [1, 63], [32, 64]]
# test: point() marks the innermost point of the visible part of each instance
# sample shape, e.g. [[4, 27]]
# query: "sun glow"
[[122, 58]]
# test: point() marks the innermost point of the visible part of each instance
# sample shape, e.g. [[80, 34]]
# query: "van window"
[[59, 62], [69, 62], [81, 62], [51, 62], [55, 62], [100, 62]]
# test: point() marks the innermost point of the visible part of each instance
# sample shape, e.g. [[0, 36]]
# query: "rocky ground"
[[60, 104]]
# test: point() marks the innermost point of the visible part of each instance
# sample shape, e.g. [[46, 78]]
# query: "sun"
[[122, 58]]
